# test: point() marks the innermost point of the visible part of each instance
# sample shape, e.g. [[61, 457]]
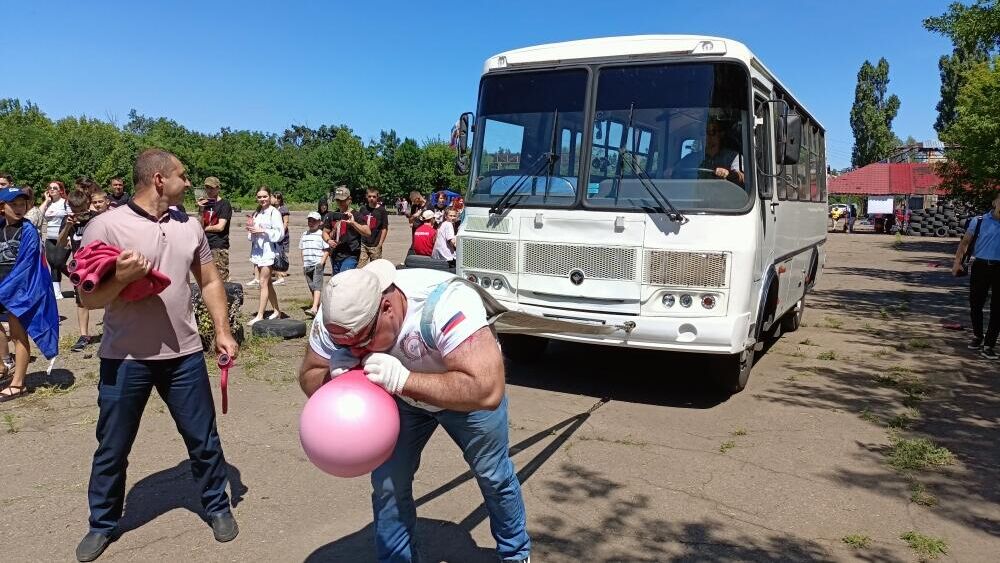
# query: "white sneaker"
[[279, 281], [252, 283], [274, 315]]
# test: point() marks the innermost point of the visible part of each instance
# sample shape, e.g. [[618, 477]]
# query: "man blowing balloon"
[[423, 336]]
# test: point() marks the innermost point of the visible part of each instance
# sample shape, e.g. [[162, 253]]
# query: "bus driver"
[[723, 161]]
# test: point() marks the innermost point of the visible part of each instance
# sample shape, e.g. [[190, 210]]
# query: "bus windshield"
[[683, 127], [518, 115]]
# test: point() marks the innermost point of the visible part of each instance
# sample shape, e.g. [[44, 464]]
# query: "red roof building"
[[883, 179]]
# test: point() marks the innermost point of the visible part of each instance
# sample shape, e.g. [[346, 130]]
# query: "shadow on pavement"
[[170, 489]]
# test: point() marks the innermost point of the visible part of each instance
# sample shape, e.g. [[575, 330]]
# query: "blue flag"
[[27, 293]]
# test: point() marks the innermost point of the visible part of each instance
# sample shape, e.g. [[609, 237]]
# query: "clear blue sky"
[[414, 66]]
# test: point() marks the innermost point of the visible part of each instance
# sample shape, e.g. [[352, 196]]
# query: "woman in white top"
[[55, 209], [265, 230], [445, 241]]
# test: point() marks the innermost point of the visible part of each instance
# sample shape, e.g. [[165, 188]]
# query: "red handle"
[[225, 362]]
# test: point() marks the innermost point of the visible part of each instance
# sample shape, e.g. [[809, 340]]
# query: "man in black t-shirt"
[[216, 215], [345, 229], [376, 218], [116, 194]]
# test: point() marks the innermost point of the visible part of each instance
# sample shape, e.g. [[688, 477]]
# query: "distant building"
[[926, 151], [916, 183]]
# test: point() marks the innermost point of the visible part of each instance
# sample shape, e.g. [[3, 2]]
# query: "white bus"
[[667, 186]]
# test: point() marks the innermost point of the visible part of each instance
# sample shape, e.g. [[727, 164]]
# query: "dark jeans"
[[985, 279], [122, 394]]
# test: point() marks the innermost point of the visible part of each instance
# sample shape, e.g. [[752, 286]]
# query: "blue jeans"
[[482, 437], [343, 263], [121, 395]]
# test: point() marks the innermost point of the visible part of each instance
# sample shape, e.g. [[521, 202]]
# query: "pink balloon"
[[349, 426]]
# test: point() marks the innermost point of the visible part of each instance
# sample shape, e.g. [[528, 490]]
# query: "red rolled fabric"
[[96, 261], [98, 270]]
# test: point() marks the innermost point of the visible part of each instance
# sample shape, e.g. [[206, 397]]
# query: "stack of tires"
[[945, 220], [234, 301]]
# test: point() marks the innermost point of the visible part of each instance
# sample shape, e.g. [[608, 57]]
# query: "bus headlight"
[[472, 278], [498, 284], [669, 300], [708, 301], [686, 300], [486, 282]]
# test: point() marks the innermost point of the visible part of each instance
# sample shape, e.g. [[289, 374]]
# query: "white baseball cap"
[[313, 215], [427, 215], [351, 299]]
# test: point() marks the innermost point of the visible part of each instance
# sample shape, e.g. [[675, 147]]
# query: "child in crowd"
[[445, 241], [83, 208], [313, 244], [15, 204], [424, 235]]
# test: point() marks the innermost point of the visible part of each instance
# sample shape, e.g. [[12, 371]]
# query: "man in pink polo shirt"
[[154, 342]]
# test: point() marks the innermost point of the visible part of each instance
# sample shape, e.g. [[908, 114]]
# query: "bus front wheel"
[[732, 371], [523, 348]]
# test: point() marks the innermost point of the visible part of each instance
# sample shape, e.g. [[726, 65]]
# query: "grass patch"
[[727, 445], [739, 432], [256, 350], [925, 546], [49, 391], [11, 422], [918, 453], [919, 495], [882, 353], [807, 342], [857, 541], [868, 416], [919, 344], [867, 327], [883, 313], [828, 355], [627, 441], [900, 422], [300, 303], [833, 322]]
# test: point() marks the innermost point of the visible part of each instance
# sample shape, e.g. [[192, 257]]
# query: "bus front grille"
[[596, 262], [488, 254], [686, 269]]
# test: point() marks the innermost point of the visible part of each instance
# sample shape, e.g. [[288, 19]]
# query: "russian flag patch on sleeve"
[[453, 322]]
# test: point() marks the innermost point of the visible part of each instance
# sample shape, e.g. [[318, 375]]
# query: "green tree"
[[973, 29], [972, 171], [952, 68], [872, 115]]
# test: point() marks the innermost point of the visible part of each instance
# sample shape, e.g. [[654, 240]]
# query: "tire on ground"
[[941, 231], [281, 328]]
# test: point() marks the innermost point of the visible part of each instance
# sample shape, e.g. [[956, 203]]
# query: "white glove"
[[386, 371]]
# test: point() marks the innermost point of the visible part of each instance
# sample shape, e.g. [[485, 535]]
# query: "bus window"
[[762, 145], [504, 151]]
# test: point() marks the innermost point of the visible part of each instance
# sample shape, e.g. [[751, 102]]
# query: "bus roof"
[[633, 47]]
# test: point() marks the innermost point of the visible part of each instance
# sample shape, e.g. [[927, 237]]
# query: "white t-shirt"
[[442, 251], [54, 217], [313, 246], [458, 314], [262, 245]]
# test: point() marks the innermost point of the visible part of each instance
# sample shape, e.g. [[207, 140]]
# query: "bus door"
[[765, 180]]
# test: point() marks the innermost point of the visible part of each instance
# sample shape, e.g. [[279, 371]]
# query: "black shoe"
[[989, 352], [224, 527], [976, 343], [81, 343], [92, 546]]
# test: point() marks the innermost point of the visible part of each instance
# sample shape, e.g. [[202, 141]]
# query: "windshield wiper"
[[545, 159], [661, 201]]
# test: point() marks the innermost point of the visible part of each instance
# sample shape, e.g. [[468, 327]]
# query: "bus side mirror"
[[460, 138], [792, 138]]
